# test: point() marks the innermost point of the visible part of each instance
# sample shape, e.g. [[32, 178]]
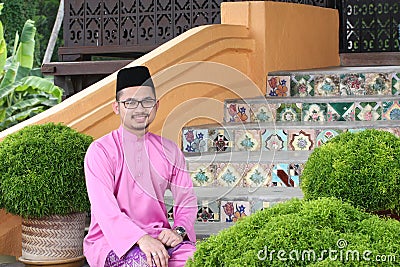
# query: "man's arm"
[[185, 201]]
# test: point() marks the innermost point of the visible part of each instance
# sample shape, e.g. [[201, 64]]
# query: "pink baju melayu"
[[126, 179]]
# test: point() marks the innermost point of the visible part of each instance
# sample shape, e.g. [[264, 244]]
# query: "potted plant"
[[42, 180], [362, 168]]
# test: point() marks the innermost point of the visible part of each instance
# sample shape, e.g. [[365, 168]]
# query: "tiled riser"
[[224, 140], [333, 84], [249, 175], [226, 211], [313, 112]]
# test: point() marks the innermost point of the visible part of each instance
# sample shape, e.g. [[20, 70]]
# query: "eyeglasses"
[[133, 103]]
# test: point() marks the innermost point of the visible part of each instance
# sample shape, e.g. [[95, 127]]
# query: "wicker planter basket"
[[53, 238]]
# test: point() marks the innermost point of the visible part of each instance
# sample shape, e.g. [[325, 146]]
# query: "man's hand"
[[154, 250], [170, 238]]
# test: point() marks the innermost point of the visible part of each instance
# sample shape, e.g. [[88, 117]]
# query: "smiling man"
[[127, 173]]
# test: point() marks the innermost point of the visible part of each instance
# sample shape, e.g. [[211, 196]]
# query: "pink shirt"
[[126, 179]]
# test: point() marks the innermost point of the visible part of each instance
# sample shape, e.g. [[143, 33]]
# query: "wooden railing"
[[122, 27]]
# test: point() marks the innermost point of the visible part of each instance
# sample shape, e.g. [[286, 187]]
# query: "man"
[[127, 173]]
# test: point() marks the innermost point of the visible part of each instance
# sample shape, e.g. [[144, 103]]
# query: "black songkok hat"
[[134, 76]]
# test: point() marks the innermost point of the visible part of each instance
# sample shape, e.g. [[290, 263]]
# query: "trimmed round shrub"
[[362, 168], [42, 172], [323, 232]]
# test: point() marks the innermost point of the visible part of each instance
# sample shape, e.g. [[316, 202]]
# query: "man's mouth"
[[140, 117]]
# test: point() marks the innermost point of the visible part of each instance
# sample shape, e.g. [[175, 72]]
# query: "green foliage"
[[362, 168], [42, 173], [296, 227], [23, 95], [43, 12]]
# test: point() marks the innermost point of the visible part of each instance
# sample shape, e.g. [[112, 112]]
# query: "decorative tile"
[[259, 175], [378, 84], [356, 130], [232, 211], [295, 171], [340, 112], [220, 140], [278, 86], [327, 85], [314, 112], [288, 112], [274, 140], [170, 211], [396, 84], [395, 131], [302, 85], [230, 174], [202, 174], [352, 84], [391, 110], [263, 112], [247, 140], [208, 211], [324, 136], [257, 205], [368, 111], [194, 140], [280, 176], [301, 140], [237, 112]]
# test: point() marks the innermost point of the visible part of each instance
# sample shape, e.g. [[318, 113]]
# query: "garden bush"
[[300, 228], [362, 168], [41, 171]]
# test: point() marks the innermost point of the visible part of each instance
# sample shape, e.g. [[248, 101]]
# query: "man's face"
[[136, 119]]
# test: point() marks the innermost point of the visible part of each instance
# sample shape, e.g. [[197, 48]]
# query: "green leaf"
[[26, 48], [43, 85], [5, 91], [27, 103]]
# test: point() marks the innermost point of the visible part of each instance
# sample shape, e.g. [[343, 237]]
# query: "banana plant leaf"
[[43, 85], [15, 119]]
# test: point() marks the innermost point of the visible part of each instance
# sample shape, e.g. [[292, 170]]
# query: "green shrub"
[[362, 168], [42, 173], [297, 227]]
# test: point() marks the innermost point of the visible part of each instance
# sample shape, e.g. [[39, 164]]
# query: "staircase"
[[255, 157]]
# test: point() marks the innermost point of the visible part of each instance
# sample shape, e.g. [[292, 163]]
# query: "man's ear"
[[115, 107]]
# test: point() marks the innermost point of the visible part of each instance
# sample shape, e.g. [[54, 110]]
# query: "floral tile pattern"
[[391, 110], [301, 140], [232, 211], [259, 175], [378, 84], [278, 86], [340, 112], [396, 84], [247, 140], [323, 136], [302, 85], [288, 112], [220, 140], [230, 174], [263, 112], [274, 140], [352, 84], [208, 211], [237, 112], [368, 111], [314, 112], [194, 140], [326, 85], [295, 171], [202, 174], [280, 176]]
